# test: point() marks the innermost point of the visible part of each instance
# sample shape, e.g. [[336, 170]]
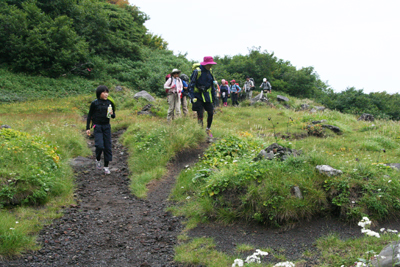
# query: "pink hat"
[[233, 81], [223, 81], [208, 61]]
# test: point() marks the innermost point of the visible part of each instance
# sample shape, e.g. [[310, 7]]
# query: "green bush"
[[29, 169]]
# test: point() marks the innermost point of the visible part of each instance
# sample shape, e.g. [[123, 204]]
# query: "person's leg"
[[184, 105], [210, 112], [177, 108], [250, 94], [98, 141], [171, 105], [200, 114], [107, 144]]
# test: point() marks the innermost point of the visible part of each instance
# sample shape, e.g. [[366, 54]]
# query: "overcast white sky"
[[348, 42]]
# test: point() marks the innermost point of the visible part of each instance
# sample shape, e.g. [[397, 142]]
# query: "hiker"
[[202, 91], [225, 91], [235, 90], [266, 86], [185, 93], [217, 96], [248, 87], [100, 112], [173, 87]]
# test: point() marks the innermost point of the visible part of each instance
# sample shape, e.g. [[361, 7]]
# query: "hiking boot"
[[106, 170], [208, 132], [98, 164]]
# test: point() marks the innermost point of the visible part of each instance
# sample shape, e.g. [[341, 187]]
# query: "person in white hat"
[[266, 86], [173, 87]]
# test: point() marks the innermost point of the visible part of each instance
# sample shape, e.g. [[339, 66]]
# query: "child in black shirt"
[[99, 115]]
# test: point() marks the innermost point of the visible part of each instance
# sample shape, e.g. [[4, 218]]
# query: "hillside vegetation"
[[81, 44]]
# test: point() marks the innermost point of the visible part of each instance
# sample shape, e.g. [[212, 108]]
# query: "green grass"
[[226, 185], [153, 143]]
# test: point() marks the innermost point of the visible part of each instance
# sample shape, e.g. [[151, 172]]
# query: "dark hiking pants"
[[102, 141]]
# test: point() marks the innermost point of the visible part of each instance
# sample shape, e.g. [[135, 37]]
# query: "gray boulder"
[[320, 108], [304, 106], [146, 110], [328, 170], [318, 122], [282, 98], [259, 98], [118, 88], [388, 257], [335, 129], [144, 94], [81, 162], [313, 110], [5, 126], [280, 152], [394, 166], [366, 117], [295, 190]]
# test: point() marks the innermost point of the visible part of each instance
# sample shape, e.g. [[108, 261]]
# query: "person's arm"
[[113, 110], [89, 118]]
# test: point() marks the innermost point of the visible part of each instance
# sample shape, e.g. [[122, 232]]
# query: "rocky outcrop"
[[278, 152], [334, 129], [366, 117], [328, 170], [144, 94], [146, 110], [261, 97], [388, 257], [282, 98]]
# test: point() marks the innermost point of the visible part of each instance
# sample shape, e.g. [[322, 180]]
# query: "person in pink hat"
[[202, 92]]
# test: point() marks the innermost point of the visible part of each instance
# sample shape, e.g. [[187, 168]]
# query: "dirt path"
[[109, 226]]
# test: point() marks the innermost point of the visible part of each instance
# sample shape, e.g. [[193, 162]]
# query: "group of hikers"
[[202, 89]]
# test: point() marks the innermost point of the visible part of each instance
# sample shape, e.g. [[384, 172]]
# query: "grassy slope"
[[51, 118]]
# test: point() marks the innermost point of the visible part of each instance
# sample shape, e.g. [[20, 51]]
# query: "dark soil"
[[111, 227]]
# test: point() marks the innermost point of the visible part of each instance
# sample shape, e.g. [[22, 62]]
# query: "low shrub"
[[28, 168]]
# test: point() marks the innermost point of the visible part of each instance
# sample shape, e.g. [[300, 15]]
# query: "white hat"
[[175, 71], [265, 79]]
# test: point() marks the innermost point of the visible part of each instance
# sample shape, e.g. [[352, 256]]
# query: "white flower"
[[253, 258], [16, 222], [379, 189], [383, 257], [382, 229], [182, 187], [370, 233], [285, 264], [12, 228], [389, 181], [188, 198], [353, 202], [392, 231], [262, 253], [359, 264], [234, 161], [9, 181], [239, 263]]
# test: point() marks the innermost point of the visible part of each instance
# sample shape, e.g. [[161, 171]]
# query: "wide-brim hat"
[[175, 71], [233, 81], [265, 79], [208, 61]]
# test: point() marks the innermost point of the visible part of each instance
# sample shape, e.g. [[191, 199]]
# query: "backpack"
[[254, 84], [196, 66]]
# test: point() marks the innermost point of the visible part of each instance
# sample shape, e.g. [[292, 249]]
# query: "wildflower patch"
[[28, 168]]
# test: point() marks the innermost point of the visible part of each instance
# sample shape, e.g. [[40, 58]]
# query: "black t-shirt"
[[98, 112]]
